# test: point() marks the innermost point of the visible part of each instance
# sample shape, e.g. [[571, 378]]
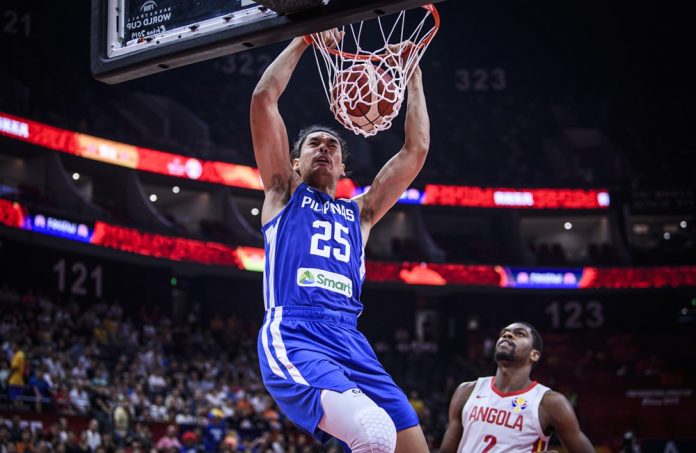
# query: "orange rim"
[[423, 42]]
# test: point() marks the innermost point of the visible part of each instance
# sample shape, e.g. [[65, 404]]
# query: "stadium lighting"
[[667, 236], [682, 224], [254, 211], [153, 197], [75, 176], [175, 189], [568, 225]]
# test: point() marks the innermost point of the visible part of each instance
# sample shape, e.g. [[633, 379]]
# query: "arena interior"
[[559, 190]]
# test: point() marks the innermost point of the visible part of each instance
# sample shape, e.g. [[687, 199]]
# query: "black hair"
[[537, 342], [304, 133]]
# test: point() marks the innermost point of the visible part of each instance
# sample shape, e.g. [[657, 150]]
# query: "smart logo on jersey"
[[306, 278], [518, 404], [319, 278]]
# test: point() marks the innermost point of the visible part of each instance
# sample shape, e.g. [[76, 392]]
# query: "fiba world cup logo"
[[518, 404]]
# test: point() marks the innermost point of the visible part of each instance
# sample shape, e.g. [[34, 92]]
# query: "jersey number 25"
[[319, 247]]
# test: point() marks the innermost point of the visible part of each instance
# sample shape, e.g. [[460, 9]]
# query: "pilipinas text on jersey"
[[314, 253]]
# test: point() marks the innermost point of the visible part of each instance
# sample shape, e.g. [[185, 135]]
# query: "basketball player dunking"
[[510, 412], [318, 367]]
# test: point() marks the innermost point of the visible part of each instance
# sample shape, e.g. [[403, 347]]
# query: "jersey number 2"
[[318, 246], [490, 443]]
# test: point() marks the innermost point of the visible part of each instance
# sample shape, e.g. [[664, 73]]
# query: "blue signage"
[[59, 227]]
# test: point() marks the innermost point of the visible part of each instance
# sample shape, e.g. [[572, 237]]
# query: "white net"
[[365, 88]]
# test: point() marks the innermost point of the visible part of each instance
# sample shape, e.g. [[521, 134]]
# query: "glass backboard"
[[135, 38]]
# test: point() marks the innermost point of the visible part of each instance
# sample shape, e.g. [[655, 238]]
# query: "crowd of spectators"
[[105, 377], [127, 374], [112, 381]]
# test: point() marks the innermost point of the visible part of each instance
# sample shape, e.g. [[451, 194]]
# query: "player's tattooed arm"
[[556, 412], [455, 426]]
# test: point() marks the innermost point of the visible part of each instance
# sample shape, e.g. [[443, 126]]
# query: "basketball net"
[[386, 69]]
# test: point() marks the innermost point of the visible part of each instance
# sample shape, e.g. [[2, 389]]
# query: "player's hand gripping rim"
[[330, 38]]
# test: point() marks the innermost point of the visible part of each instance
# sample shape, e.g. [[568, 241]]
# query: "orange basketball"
[[365, 94]]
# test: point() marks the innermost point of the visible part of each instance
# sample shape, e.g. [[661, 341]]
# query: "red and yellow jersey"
[[495, 421]]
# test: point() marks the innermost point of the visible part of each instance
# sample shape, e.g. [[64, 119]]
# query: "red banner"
[[245, 177], [252, 259], [480, 197], [130, 156]]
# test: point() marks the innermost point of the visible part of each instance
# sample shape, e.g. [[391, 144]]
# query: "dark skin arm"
[[555, 412], [455, 427]]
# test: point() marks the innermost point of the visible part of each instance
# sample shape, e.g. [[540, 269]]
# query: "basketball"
[[363, 95]]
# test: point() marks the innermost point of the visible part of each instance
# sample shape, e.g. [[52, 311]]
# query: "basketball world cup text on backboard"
[[135, 38]]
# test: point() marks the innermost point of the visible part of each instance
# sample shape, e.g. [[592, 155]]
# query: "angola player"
[[510, 412]]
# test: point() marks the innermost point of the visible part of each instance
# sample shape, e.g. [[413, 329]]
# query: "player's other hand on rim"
[[331, 38], [401, 50], [398, 55]]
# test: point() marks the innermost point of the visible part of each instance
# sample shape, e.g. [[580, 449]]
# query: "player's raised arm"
[[268, 133], [455, 426], [400, 171], [560, 415]]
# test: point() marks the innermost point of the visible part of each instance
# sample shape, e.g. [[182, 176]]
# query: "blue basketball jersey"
[[309, 342], [314, 254]]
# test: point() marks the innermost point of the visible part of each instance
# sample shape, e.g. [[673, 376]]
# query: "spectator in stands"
[[231, 444], [15, 428], [121, 416], [214, 432], [158, 411], [39, 388], [417, 403], [217, 395], [61, 398], [18, 367], [190, 443], [75, 444], [142, 435], [92, 436], [25, 443], [101, 405], [6, 438], [107, 443], [139, 401], [63, 430], [169, 442], [79, 399], [4, 374], [136, 447], [156, 382], [174, 401]]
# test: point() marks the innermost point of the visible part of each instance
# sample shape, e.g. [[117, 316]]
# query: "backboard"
[[135, 38]]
